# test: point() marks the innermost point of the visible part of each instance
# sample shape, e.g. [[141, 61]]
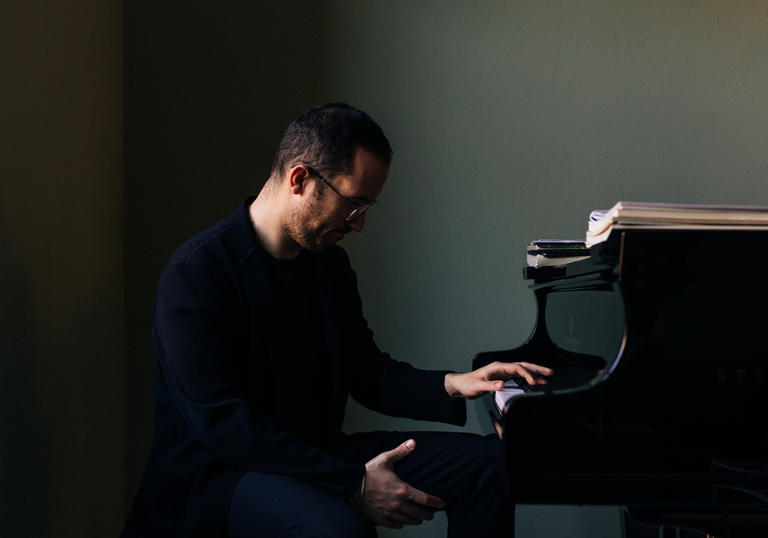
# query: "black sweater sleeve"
[[386, 385]]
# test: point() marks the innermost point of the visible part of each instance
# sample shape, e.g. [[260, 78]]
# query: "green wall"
[[511, 121]]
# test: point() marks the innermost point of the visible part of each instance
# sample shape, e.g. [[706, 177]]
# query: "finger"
[[501, 371], [526, 370], [477, 386], [399, 452], [511, 368], [425, 499], [541, 370], [529, 377], [418, 511], [490, 386]]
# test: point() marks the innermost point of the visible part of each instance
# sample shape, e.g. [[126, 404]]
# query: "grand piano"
[[659, 401]]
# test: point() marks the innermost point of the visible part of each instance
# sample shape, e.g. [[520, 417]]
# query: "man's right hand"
[[389, 501]]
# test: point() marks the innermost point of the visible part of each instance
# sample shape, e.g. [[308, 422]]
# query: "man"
[[260, 339]]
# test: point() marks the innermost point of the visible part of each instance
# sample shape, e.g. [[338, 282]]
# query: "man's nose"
[[357, 223]]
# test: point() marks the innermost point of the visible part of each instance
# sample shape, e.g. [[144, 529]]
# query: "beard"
[[311, 230]]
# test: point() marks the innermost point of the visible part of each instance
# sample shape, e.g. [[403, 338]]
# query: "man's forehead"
[[369, 172]]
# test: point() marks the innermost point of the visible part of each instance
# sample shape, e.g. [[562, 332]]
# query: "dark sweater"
[[255, 360]]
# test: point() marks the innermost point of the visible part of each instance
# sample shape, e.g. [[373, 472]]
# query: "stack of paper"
[[628, 215]]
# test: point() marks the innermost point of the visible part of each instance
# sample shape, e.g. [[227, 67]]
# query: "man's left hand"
[[491, 378]]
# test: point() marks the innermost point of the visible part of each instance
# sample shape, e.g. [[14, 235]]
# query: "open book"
[[625, 215]]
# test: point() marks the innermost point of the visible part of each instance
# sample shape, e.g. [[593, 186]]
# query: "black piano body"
[[668, 417]]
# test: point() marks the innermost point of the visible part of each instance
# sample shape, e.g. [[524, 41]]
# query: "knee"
[[486, 459], [491, 472], [486, 477]]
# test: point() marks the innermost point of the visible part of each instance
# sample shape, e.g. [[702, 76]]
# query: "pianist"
[[260, 338]]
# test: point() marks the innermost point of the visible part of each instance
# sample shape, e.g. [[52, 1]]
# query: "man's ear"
[[297, 178]]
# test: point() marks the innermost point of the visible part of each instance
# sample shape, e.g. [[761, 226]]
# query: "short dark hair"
[[326, 136]]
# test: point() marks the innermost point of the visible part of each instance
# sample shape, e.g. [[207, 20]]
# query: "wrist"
[[450, 386], [357, 496]]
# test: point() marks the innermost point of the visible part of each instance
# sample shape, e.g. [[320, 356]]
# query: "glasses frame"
[[358, 209]]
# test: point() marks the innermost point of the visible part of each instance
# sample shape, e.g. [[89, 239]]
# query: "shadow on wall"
[[27, 457], [209, 90]]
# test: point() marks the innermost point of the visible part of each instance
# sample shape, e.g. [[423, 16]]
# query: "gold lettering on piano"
[[741, 376]]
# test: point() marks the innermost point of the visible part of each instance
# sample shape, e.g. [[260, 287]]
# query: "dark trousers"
[[465, 470]]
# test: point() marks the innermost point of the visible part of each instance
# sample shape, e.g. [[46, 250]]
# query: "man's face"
[[321, 220]]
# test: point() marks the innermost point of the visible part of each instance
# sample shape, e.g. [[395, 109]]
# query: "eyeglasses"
[[358, 209]]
